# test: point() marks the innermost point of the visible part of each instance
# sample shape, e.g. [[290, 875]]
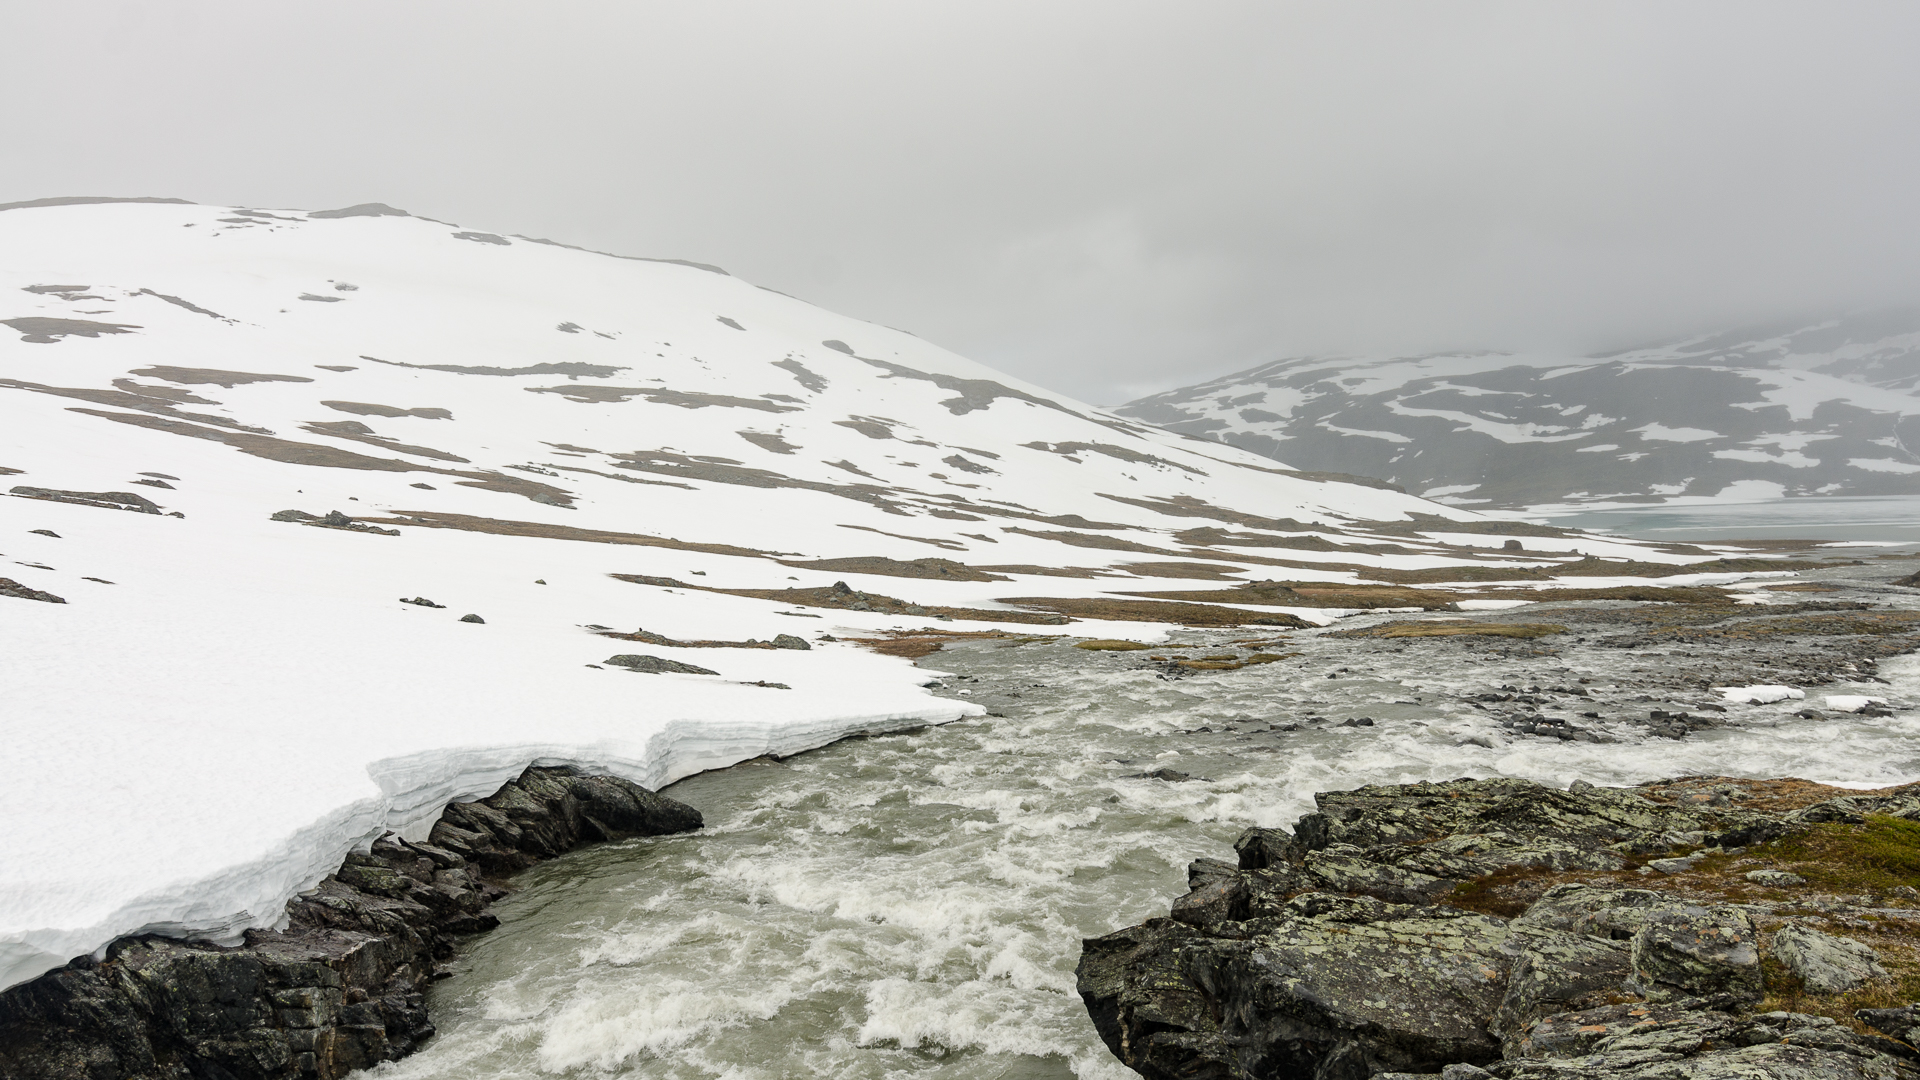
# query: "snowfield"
[[1822, 409], [223, 704]]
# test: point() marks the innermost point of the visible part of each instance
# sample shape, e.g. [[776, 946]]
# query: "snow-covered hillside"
[[267, 461], [1827, 409]]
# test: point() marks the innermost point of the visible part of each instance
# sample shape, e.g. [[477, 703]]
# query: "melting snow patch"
[[1852, 702], [1759, 695]]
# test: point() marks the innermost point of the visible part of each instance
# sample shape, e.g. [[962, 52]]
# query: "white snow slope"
[[1823, 409], [225, 704]]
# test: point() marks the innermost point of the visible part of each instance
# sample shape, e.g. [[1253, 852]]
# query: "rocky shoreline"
[[1704, 927], [342, 986]]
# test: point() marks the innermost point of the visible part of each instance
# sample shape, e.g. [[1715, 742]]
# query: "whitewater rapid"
[[912, 904]]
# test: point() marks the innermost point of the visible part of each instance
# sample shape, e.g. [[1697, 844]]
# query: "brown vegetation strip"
[[914, 644], [1331, 594], [359, 432], [1152, 611], [194, 376], [1197, 571], [1452, 629], [134, 396], [936, 569], [434, 519]]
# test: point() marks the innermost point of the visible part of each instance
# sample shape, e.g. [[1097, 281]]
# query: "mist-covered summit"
[[1822, 409]]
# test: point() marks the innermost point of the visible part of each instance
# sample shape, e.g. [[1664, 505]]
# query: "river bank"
[[913, 904]]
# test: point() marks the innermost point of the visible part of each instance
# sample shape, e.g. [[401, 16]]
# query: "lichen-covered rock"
[[1343, 951], [1554, 971], [1690, 950], [1585, 909], [342, 987], [1333, 986], [1826, 964], [1693, 1040], [1902, 1023]]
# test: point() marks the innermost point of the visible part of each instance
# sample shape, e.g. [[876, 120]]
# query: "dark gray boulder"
[[342, 987]]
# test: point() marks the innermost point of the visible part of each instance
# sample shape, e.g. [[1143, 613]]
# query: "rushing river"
[[912, 904]]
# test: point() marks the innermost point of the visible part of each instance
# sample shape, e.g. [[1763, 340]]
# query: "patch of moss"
[[1879, 855], [1109, 646]]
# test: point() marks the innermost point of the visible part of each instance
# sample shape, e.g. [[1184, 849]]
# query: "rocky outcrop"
[[1375, 940], [342, 987]]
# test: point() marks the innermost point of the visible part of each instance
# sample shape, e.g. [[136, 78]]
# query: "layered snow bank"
[[208, 736]]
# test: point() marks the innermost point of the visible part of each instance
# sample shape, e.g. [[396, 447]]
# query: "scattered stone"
[[1359, 721], [10, 587], [472, 619], [791, 641], [1775, 879], [293, 515], [45, 532], [1673, 866], [109, 500], [421, 601], [1826, 964], [655, 665]]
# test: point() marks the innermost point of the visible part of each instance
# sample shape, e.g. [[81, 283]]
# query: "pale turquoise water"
[[1893, 518]]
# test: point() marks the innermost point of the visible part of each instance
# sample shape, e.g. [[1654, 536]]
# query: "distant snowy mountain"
[[259, 466], [1827, 409]]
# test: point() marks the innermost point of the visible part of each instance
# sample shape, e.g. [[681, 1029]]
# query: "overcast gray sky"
[[1106, 198]]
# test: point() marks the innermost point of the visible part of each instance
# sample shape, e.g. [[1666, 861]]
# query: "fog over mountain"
[[1108, 200]]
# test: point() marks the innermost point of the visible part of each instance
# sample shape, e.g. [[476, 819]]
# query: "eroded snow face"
[[1825, 409]]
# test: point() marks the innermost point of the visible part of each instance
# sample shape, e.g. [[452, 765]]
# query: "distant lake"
[[1885, 517]]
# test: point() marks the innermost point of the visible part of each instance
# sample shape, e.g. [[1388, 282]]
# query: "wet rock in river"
[[342, 986]]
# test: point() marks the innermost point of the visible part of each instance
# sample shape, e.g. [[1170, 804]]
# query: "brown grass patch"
[[935, 569], [1452, 629], [1109, 645], [1153, 611], [1197, 571], [434, 519], [914, 644], [1314, 594]]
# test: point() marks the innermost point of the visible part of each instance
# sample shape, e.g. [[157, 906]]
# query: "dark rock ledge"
[[1703, 928], [343, 986]]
